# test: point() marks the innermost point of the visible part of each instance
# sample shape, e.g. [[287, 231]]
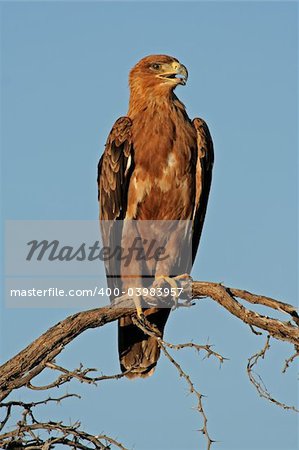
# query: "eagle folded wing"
[[204, 166], [114, 172]]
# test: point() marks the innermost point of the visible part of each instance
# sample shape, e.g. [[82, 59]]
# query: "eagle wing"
[[114, 171], [204, 166]]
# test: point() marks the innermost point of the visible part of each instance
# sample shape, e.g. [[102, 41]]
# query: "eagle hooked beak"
[[175, 72]]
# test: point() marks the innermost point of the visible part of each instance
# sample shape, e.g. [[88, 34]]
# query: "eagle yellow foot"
[[138, 306], [141, 321], [160, 280], [185, 283], [145, 325], [184, 277], [140, 313]]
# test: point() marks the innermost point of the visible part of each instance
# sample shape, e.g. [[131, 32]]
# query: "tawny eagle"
[[157, 166]]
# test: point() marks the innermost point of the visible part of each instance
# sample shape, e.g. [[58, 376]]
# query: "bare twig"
[[29, 405], [257, 381], [257, 333], [194, 391], [207, 348], [80, 374], [149, 329], [6, 417], [78, 437], [25, 433], [289, 360]]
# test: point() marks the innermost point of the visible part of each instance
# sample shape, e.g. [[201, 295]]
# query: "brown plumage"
[[157, 165]]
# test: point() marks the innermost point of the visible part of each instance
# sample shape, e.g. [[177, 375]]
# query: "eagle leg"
[[141, 320], [139, 310], [146, 326]]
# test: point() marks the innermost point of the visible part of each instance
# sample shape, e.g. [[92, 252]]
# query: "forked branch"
[[40, 354], [20, 370]]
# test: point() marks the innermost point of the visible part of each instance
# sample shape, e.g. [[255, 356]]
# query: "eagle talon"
[[184, 277], [140, 313], [185, 282], [162, 279], [148, 327], [142, 320]]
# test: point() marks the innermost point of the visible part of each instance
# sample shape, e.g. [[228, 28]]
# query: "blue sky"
[[64, 69]]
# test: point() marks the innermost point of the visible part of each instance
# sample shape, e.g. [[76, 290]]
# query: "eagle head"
[[160, 73]]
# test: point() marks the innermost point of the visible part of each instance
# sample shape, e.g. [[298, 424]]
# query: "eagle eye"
[[156, 66]]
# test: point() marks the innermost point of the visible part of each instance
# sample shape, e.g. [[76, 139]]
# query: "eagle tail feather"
[[139, 352]]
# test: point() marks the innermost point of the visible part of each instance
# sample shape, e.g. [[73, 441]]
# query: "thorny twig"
[[71, 436], [24, 434], [257, 381], [27, 406], [194, 391], [80, 374], [148, 328], [207, 348], [289, 360]]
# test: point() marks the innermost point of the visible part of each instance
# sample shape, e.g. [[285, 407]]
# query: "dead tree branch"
[[30, 433], [20, 370], [227, 297], [39, 355]]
